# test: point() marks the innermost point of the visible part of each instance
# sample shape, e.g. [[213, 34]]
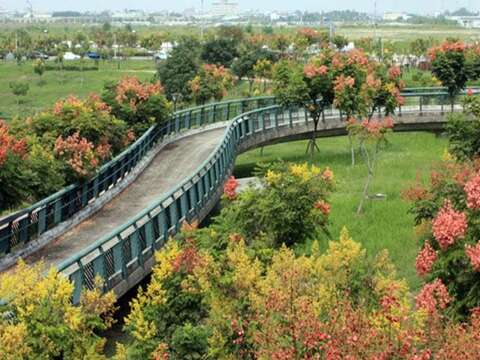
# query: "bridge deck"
[[171, 165]]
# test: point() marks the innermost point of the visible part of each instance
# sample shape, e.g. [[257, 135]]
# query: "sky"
[[415, 6]]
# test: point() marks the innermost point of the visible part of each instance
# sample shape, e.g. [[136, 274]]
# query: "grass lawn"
[[385, 223], [58, 84]]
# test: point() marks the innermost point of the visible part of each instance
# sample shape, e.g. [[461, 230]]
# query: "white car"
[[71, 56]]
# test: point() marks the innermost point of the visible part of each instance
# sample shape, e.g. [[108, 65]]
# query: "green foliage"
[[219, 51], [189, 342], [19, 88], [39, 67], [290, 206], [243, 66], [463, 130], [15, 182], [211, 82], [289, 86], [179, 69]]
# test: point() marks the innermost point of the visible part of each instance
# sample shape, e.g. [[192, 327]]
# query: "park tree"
[[309, 86], [39, 69], [219, 51], [372, 136], [152, 41], [211, 82], [449, 65], [139, 104], [19, 90], [81, 47], [39, 321], [263, 72], [14, 175], [179, 69], [243, 66], [234, 33], [281, 42], [420, 46], [382, 88], [339, 41]]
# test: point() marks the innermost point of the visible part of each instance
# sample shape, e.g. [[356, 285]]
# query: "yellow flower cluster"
[[304, 171], [272, 177], [36, 298]]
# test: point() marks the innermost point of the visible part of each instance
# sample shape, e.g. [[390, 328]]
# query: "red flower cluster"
[[130, 90], [425, 259], [327, 174], [375, 127], [433, 297], [10, 145], [323, 206], [472, 189], [447, 46], [72, 103], [373, 82], [81, 154], [308, 33], [342, 82], [473, 253], [188, 258], [449, 225], [394, 72], [230, 188], [312, 70], [357, 57]]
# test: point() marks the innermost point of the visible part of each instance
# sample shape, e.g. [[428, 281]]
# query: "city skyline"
[[411, 6]]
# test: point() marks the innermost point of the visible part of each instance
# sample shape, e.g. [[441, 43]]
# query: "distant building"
[[466, 21], [224, 8], [4, 13], [394, 16]]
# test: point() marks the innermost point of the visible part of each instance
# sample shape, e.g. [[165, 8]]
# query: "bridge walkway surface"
[[170, 166]]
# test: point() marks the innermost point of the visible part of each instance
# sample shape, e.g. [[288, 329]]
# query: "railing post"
[[214, 117], [421, 105]]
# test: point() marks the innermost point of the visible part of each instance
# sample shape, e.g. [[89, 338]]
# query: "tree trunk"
[[312, 143], [352, 149], [370, 162]]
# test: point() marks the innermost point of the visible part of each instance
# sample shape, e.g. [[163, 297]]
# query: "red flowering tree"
[[447, 211], [454, 63], [211, 82], [14, 175], [139, 104]]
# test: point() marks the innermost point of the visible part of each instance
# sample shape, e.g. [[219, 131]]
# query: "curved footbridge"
[[112, 225]]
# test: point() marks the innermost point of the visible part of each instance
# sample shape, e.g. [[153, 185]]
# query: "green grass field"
[[385, 224], [58, 84]]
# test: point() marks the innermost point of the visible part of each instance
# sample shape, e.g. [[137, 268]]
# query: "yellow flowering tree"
[[38, 320]]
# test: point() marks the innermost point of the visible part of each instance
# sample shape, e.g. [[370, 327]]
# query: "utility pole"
[[202, 21]]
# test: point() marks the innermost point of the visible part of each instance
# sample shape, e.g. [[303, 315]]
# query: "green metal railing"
[[117, 255], [26, 225]]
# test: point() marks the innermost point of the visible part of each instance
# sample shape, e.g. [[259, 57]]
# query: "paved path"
[[172, 164]]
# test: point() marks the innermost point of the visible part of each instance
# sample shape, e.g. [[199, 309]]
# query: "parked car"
[[93, 55], [39, 55], [161, 55], [71, 56]]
